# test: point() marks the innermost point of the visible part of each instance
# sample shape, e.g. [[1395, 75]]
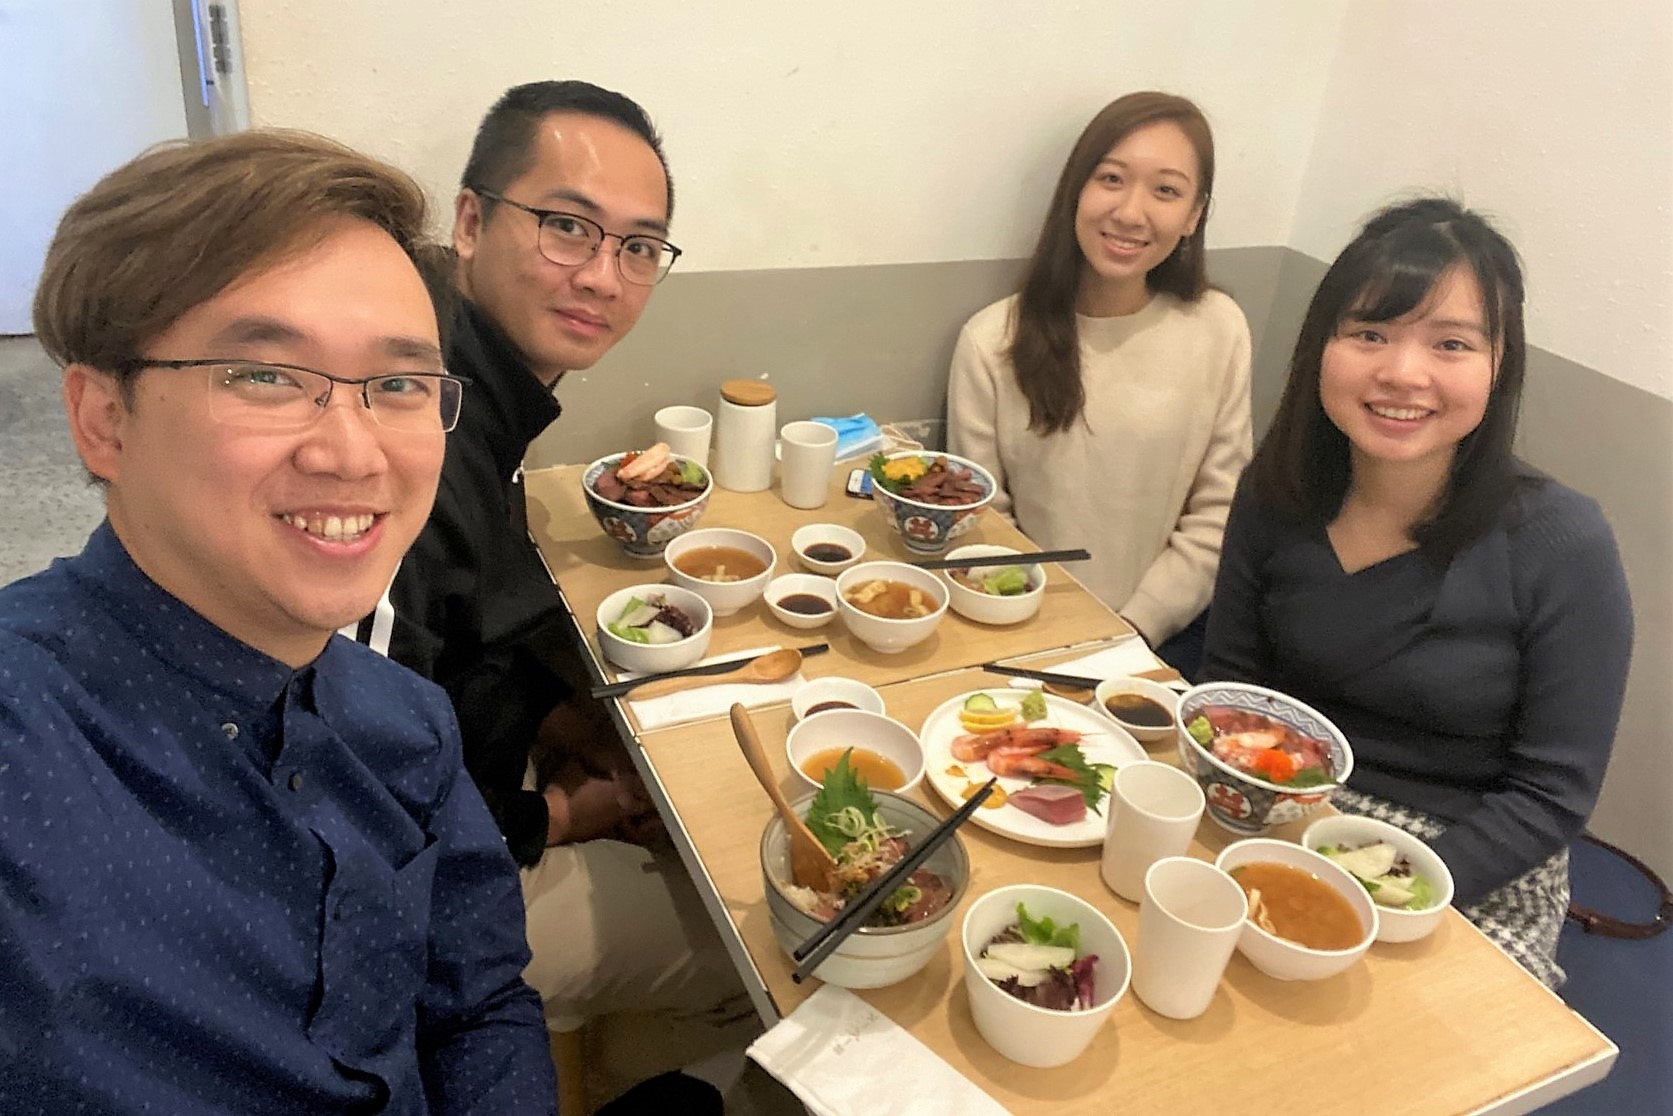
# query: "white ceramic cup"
[[807, 454], [1153, 813], [1189, 923], [687, 431]]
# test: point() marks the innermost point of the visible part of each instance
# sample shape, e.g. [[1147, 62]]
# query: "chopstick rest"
[[824, 941]]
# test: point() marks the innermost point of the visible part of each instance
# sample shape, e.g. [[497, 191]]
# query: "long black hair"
[[1302, 467]]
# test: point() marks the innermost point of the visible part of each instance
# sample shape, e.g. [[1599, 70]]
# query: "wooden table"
[[1449, 1024]]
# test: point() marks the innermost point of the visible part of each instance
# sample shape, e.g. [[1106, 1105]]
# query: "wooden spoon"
[[774, 666], [811, 864]]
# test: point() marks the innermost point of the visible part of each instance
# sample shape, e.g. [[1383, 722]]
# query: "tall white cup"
[[1189, 923], [807, 454], [1154, 809], [687, 431]]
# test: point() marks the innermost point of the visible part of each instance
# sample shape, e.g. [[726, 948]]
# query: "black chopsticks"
[[1004, 560], [812, 953], [1077, 681], [617, 689]]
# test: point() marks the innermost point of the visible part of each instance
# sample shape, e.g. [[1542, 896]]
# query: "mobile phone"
[[859, 484]]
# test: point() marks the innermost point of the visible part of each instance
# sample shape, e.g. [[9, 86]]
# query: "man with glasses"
[[242, 867], [560, 236]]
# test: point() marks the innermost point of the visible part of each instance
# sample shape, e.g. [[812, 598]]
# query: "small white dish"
[[802, 585], [826, 691], [835, 534], [1168, 699], [856, 728]]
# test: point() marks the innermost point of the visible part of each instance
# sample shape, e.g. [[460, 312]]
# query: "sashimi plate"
[[1101, 741]]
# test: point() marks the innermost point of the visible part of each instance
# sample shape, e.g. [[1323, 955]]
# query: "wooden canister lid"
[[748, 393]]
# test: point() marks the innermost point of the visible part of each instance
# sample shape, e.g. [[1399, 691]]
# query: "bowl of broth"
[[1308, 919], [828, 548], [890, 606], [725, 567], [882, 752], [803, 601], [1146, 709]]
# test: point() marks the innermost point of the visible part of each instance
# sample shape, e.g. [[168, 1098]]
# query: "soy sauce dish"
[[803, 601]]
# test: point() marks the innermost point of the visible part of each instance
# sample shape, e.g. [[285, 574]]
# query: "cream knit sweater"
[[1145, 478]]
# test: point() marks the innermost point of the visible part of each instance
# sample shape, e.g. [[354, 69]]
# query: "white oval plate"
[[1102, 741]]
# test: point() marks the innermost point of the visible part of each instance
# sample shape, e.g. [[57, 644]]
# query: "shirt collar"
[[506, 406], [168, 628]]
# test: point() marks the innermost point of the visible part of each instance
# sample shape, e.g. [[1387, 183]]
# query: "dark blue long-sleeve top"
[[1484, 689], [230, 886]]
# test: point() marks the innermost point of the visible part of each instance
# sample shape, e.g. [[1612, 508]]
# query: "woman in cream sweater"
[[1109, 397]]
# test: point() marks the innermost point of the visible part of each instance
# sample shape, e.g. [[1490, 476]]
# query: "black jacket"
[[472, 601]]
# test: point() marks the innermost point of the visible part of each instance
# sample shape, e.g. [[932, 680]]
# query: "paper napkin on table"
[[1127, 657], [710, 701], [843, 1057]]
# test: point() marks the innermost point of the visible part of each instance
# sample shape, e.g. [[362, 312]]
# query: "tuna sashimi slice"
[[1051, 804]]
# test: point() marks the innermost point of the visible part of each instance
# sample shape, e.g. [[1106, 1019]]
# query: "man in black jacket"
[[559, 238]]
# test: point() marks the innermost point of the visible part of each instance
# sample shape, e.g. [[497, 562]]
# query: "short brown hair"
[[171, 229]]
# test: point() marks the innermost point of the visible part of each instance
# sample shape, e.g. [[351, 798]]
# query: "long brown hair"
[[1045, 349]]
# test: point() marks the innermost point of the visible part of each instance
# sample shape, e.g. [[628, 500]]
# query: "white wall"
[[832, 135], [1555, 118], [83, 89]]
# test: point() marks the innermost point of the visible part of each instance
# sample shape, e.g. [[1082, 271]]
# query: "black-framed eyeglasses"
[[264, 395], [570, 239]]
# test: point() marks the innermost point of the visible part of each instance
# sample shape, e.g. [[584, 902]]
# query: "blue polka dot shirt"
[[230, 886]]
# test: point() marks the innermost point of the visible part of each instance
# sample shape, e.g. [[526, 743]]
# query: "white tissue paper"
[[1130, 656], [843, 1057], [712, 701]]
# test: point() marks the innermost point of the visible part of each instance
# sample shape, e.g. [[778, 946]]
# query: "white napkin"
[[1127, 657], [710, 701], [843, 1057]]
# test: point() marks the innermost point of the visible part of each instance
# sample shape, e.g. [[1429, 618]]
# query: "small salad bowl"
[[833, 534], [643, 532], [837, 729], [1279, 957], [802, 585], [1238, 801], [1022, 1032], [1394, 923], [928, 528], [650, 657], [871, 957], [986, 607]]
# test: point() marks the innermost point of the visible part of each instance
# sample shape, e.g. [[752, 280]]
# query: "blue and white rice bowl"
[[928, 528], [643, 532]]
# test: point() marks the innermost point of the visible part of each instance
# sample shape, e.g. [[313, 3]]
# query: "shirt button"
[[296, 780], [231, 730]]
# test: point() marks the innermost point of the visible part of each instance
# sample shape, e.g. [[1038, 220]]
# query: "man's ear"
[[467, 223], [98, 414]]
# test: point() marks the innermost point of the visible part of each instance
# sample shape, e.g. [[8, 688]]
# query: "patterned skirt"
[[1523, 917]]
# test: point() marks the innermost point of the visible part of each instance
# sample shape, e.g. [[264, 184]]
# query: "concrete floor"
[[50, 507]]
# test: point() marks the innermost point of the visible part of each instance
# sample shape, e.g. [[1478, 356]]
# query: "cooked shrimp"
[[1027, 765], [648, 464], [971, 748]]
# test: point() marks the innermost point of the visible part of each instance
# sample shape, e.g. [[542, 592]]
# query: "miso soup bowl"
[[1394, 924], [871, 957], [647, 658], [1037, 1036], [859, 729], [1242, 803], [986, 608], [1280, 957], [880, 633], [725, 597]]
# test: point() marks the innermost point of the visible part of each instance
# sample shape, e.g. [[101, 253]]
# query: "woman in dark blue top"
[[1461, 617]]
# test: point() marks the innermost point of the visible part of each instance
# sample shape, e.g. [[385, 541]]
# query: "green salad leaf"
[[1011, 581], [1088, 779], [691, 472], [841, 790], [1045, 932]]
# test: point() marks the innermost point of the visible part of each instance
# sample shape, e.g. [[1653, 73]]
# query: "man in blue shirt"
[[242, 868]]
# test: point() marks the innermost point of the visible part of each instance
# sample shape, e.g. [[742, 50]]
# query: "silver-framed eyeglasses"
[[265, 395], [570, 239]]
